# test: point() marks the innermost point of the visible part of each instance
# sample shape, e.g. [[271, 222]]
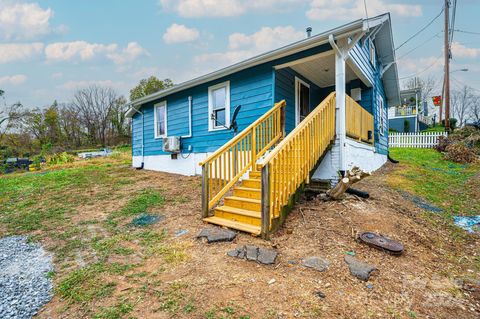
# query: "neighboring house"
[[306, 111], [411, 114]]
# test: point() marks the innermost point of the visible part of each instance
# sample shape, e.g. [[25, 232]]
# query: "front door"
[[302, 100]]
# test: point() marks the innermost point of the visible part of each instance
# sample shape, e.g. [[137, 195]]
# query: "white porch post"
[[340, 79]]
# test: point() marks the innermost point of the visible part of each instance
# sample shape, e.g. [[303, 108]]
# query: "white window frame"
[[299, 81], [211, 123], [382, 120], [155, 119], [371, 46]]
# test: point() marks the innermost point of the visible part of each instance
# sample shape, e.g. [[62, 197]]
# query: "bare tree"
[[462, 100], [94, 105], [474, 114], [9, 115]]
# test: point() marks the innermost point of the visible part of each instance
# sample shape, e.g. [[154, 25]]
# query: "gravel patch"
[[24, 286]]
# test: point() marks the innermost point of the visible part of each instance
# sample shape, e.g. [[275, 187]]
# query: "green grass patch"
[[116, 312], [86, 284], [140, 204], [445, 184]]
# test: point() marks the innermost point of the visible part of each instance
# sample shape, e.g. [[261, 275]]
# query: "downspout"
[[143, 144]]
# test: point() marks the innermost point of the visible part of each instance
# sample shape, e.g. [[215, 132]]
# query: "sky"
[[50, 48]]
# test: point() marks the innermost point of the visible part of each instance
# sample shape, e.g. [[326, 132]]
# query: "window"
[[382, 119], [372, 52], [160, 119], [219, 106]]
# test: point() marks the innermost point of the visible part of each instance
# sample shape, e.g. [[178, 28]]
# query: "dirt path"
[[205, 283]]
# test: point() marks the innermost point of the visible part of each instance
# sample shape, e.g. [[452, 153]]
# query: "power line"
[[427, 68], [422, 29], [420, 45], [468, 32], [464, 84]]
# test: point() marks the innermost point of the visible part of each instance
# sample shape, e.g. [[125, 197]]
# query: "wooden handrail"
[[244, 132], [359, 122], [222, 169], [289, 164]]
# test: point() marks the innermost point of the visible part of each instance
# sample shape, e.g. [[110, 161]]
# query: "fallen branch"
[[351, 177]]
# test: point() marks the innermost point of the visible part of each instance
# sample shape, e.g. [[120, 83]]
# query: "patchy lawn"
[[107, 268]]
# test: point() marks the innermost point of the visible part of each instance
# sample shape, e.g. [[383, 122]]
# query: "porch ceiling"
[[321, 71]]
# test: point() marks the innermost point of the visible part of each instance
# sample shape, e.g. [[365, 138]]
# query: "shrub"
[[61, 158], [443, 142], [460, 153]]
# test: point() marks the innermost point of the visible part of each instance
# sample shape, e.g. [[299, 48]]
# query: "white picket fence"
[[415, 140]]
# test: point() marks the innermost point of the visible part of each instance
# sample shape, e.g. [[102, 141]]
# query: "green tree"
[[149, 86]]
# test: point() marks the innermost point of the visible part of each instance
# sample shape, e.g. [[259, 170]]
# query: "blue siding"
[[137, 135], [398, 124]]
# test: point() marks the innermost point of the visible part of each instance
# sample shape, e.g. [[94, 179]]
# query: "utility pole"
[[447, 67]]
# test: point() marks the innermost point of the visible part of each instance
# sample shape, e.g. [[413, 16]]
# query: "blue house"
[[260, 130], [411, 116]]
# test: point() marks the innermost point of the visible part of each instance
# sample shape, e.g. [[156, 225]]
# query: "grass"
[[448, 185]]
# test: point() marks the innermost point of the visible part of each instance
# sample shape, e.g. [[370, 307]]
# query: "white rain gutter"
[[143, 126]]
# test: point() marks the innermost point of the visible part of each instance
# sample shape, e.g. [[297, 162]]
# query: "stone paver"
[[317, 263], [214, 235], [358, 268], [253, 253]]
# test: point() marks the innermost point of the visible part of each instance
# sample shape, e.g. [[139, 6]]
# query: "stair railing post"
[[254, 148], [205, 191], [265, 201]]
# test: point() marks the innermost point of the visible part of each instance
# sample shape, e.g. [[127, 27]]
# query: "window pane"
[[220, 117], [219, 98], [160, 114]]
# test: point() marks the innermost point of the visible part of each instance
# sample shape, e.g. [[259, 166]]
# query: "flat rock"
[[266, 256], [317, 263], [253, 253], [214, 235], [358, 268]]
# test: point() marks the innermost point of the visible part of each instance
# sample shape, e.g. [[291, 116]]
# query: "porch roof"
[[341, 32]]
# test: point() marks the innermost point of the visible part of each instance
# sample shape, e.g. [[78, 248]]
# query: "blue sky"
[[50, 48]]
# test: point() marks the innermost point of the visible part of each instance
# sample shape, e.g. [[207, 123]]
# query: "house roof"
[[383, 42]]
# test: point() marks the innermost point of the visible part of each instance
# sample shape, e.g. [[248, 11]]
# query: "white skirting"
[[357, 154], [184, 164]]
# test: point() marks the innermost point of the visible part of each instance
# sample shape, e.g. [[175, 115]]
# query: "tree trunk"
[[351, 177]]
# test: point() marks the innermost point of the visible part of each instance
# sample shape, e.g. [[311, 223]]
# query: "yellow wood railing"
[[222, 169], [289, 164], [358, 121]]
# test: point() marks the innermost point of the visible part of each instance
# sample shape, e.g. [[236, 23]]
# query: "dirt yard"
[[106, 268]]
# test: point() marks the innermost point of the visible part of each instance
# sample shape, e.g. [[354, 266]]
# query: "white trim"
[[297, 100], [373, 57], [303, 60], [382, 118], [225, 84], [155, 106]]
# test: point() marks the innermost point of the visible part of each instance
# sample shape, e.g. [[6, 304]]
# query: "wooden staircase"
[[242, 210]]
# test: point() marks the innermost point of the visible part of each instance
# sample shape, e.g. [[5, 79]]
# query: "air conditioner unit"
[[171, 144]]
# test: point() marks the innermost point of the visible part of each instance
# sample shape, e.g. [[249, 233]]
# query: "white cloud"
[[177, 33], [57, 75], [77, 50], [10, 52], [265, 39], [13, 79], [84, 51], [355, 9], [24, 20], [243, 46], [459, 50], [128, 54], [222, 8], [73, 85]]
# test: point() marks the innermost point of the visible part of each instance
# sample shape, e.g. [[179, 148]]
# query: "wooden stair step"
[[239, 211], [254, 174], [252, 183], [247, 192], [236, 214], [243, 203], [255, 230]]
